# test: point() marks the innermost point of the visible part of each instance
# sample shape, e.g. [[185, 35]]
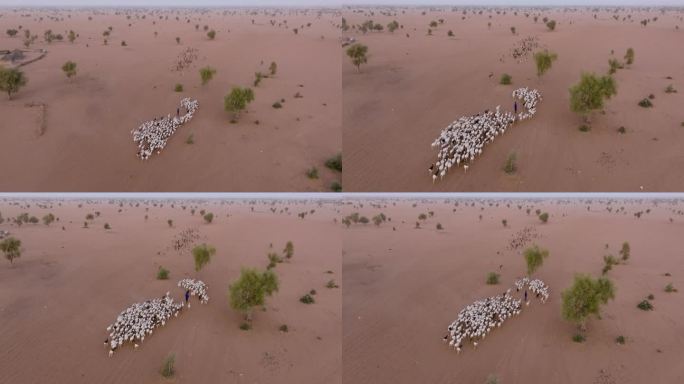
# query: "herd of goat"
[[141, 319], [464, 139], [152, 135], [478, 319]]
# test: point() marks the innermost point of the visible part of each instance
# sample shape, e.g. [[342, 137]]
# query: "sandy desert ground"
[[71, 282], [404, 286], [75, 135], [413, 87]]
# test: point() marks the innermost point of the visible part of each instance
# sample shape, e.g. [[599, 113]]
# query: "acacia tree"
[[11, 80], [534, 257], [358, 53], [202, 255], [69, 69], [251, 289], [590, 93], [236, 101], [585, 297], [11, 247], [544, 60]]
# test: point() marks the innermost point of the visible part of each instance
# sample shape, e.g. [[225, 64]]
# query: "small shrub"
[[336, 186], [506, 79], [107, 226], [335, 163], [439, 226], [331, 284], [162, 273], [622, 130], [670, 89], [245, 326], [544, 217], [625, 251], [645, 103], [578, 338], [307, 299], [312, 173], [167, 369], [190, 139], [650, 297], [283, 328], [584, 128], [620, 339], [492, 278], [211, 34], [645, 305], [277, 105], [209, 217], [510, 167], [670, 288], [178, 88]]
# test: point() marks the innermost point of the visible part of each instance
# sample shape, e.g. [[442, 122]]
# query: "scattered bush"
[[331, 284], [237, 100], [312, 173], [307, 299], [202, 255], [584, 128], [670, 288], [506, 79], [251, 289], [178, 88], [645, 305], [167, 369], [625, 252], [209, 217], [11, 247], [162, 273], [206, 74], [335, 186], [534, 257], [578, 338], [107, 226], [335, 163], [289, 250], [670, 89], [584, 298], [645, 103], [211, 34], [591, 92], [493, 278], [544, 60], [245, 326], [69, 69], [551, 25], [544, 217], [283, 328]]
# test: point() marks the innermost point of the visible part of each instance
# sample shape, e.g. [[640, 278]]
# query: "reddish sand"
[[414, 87], [69, 285], [87, 144], [402, 289]]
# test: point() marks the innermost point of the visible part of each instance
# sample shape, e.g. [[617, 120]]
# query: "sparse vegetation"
[[168, 367], [358, 53], [237, 100], [178, 88], [544, 60], [162, 273], [11, 247], [585, 297], [202, 255], [11, 80], [251, 290], [307, 299], [534, 257], [506, 79], [544, 217], [312, 173], [510, 167], [590, 93], [625, 251], [288, 250], [645, 305], [206, 74], [493, 278], [335, 163]]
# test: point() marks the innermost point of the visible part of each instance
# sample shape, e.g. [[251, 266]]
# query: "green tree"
[[11, 80], [202, 255], [544, 60], [237, 100], [69, 69], [206, 74], [585, 297], [11, 247], [358, 53], [590, 93], [534, 257], [251, 289]]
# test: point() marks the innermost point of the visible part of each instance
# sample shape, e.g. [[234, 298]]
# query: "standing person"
[[525, 296], [177, 112], [187, 297], [515, 106]]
